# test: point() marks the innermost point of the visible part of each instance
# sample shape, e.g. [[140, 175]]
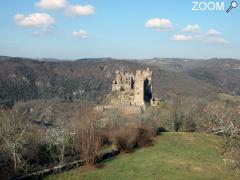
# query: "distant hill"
[[223, 74], [90, 79]]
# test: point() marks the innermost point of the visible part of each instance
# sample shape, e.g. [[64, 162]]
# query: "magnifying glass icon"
[[233, 5]]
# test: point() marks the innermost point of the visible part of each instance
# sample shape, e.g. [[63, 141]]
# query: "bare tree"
[[177, 114], [224, 120], [88, 134], [59, 137], [13, 131]]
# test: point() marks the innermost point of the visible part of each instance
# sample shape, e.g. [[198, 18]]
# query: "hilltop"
[[89, 79]]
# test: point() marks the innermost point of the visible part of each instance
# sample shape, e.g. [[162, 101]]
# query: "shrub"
[[144, 137], [189, 125], [127, 139], [160, 130], [88, 139], [104, 137], [88, 143]]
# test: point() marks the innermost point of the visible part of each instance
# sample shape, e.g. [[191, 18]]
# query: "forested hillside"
[[90, 79]]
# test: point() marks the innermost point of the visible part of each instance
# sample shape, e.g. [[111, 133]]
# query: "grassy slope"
[[173, 156], [225, 97]]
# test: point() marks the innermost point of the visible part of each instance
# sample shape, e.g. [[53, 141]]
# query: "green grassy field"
[[173, 156]]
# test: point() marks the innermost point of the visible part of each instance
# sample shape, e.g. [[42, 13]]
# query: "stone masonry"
[[134, 89]]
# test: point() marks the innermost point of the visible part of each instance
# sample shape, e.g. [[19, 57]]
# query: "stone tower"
[[134, 89], [143, 87]]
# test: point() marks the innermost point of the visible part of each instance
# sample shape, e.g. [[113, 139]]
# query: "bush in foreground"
[[127, 139]]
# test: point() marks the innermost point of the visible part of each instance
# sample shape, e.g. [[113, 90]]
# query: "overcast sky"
[[71, 29]]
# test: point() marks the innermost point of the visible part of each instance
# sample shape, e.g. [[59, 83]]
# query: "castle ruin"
[[133, 89]]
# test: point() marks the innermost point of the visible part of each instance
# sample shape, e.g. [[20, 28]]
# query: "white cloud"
[[81, 34], [181, 37], [51, 4], [211, 39], [159, 24], [212, 36], [192, 28], [40, 20], [79, 10], [213, 32], [218, 41]]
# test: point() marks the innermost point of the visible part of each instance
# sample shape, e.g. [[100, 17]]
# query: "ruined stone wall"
[[134, 89], [139, 89], [123, 82]]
